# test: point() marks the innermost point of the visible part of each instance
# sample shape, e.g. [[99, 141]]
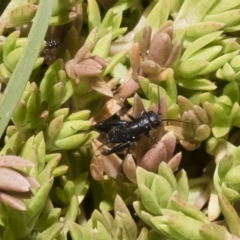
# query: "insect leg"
[[131, 117], [149, 136], [117, 148]]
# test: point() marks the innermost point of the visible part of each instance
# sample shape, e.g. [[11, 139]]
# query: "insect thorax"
[[154, 119]]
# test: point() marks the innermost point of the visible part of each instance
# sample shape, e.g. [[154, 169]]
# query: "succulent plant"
[[114, 60]]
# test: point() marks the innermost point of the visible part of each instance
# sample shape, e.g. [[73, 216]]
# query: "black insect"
[[124, 133]]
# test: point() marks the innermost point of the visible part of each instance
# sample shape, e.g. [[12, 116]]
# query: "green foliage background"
[[45, 115]]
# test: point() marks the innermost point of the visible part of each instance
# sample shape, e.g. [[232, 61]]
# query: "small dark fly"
[[48, 51], [51, 44]]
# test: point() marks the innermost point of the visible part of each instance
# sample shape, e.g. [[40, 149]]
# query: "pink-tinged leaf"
[[160, 48], [175, 161], [101, 61], [151, 69], [203, 198], [12, 202], [85, 64], [11, 180], [91, 62], [174, 54], [44, 114], [137, 108], [14, 161], [169, 140], [129, 168], [154, 157], [140, 148], [32, 181], [87, 67]]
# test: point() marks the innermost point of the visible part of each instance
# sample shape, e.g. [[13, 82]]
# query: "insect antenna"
[[169, 119], [104, 144], [158, 107], [176, 120]]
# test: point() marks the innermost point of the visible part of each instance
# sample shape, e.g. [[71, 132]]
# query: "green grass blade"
[[25, 65]]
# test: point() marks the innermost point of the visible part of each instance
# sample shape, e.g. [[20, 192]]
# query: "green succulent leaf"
[[230, 214], [200, 43]]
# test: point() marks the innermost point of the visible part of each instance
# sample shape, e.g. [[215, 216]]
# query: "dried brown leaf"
[[128, 88], [82, 52], [111, 107], [111, 164], [135, 60], [96, 170], [98, 85]]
